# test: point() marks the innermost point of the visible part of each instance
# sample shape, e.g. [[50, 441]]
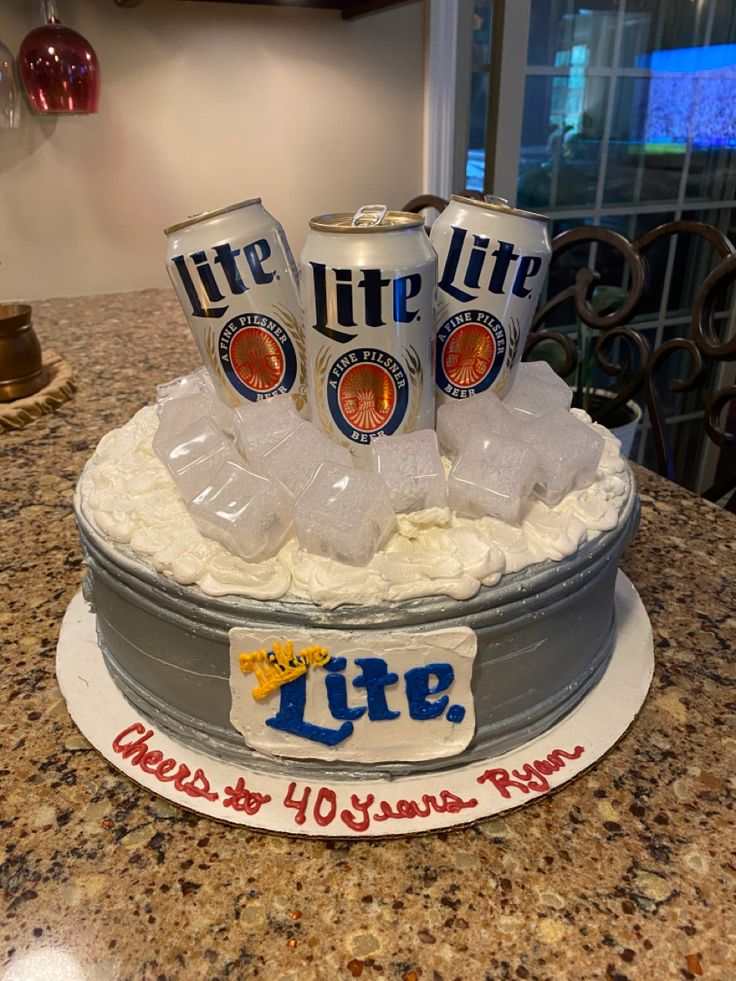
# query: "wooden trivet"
[[59, 388]]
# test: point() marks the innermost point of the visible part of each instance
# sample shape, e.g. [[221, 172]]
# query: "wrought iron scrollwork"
[[637, 368]]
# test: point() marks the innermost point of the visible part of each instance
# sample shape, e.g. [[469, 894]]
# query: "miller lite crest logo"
[[367, 394], [257, 356], [471, 348], [502, 269]]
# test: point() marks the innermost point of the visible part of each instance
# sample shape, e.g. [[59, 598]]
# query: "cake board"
[[369, 807]]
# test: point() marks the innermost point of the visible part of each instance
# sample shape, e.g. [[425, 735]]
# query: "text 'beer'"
[[493, 261], [367, 288], [237, 282]]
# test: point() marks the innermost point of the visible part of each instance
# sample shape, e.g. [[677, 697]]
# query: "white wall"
[[204, 104]]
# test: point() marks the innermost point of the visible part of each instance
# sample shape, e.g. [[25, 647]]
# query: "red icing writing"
[[325, 794], [299, 805], [531, 776], [448, 803], [358, 816], [153, 762], [362, 823], [243, 800]]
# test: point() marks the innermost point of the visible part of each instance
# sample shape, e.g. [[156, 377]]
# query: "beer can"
[[367, 289], [237, 282], [493, 260]]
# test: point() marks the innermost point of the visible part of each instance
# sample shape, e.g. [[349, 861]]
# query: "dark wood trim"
[[350, 9]]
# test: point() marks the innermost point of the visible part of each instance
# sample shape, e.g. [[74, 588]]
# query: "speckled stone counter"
[[629, 872]]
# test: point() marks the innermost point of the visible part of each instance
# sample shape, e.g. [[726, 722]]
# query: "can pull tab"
[[369, 214], [497, 199]]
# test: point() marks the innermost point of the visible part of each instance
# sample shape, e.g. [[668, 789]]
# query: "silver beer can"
[[493, 261], [367, 289], [237, 282]]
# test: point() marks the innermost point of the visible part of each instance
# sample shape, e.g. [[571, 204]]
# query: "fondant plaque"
[[366, 697]]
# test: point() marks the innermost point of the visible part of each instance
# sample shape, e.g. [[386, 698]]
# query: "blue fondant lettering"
[[455, 713], [290, 716], [337, 691], [418, 687], [374, 679]]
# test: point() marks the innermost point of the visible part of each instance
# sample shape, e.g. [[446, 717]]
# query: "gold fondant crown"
[[276, 667]]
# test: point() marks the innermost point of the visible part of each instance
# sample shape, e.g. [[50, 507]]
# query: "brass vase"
[[21, 370]]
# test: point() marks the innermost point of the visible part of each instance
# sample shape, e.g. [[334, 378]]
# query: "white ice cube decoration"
[[248, 513], [569, 452], [175, 415], [461, 419], [412, 468], [196, 383], [493, 478], [537, 391], [344, 514], [199, 387], [539, 369], [295, 458], [260, 425], [193, 455]]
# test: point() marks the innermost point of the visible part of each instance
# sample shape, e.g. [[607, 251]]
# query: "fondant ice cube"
[[295, 458], [196, 383], [199, 391], [175, 415], [494, 478], [537, 391], [193, 455], [344, 514], [412, 468], [260, 425], [250, 514], [569, 452], [539, 369], [463, 418]]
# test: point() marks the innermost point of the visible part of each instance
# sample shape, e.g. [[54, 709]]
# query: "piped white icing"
[[128, 496]]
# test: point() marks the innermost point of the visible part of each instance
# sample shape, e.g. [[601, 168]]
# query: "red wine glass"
[[58, 67]]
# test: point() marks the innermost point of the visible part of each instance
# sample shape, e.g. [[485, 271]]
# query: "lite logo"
[[501, 269], [230, 271], [369, 695], [334, 290], [421, 684]]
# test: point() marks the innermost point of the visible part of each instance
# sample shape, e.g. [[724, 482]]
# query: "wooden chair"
[[623, 353]]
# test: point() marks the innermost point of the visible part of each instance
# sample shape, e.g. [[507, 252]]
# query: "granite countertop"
[[626, 873]]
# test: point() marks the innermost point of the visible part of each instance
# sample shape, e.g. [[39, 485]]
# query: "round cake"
[[460, 640]]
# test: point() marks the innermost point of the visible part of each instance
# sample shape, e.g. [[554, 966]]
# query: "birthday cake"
[[295, 564], [460, 638]]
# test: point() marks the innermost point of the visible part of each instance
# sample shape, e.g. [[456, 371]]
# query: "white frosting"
[[128, 496]]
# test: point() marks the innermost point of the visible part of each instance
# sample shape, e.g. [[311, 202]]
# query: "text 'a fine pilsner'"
[[237, 282], [493, 263], [367, 289]]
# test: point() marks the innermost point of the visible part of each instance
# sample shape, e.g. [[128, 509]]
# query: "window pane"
[[560, 142], [475, 167], [663, 25], [572, 33], [482, 23]]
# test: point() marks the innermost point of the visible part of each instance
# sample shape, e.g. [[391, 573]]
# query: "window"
[[628, 120]]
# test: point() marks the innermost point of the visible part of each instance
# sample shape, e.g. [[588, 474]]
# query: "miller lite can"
[[367, 289], [493, 261], [237, 282]]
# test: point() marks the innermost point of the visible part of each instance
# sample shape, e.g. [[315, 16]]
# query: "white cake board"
[[344, 808]]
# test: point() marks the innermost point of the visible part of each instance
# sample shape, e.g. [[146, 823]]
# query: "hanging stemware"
[[58, 67], [9, 92]]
